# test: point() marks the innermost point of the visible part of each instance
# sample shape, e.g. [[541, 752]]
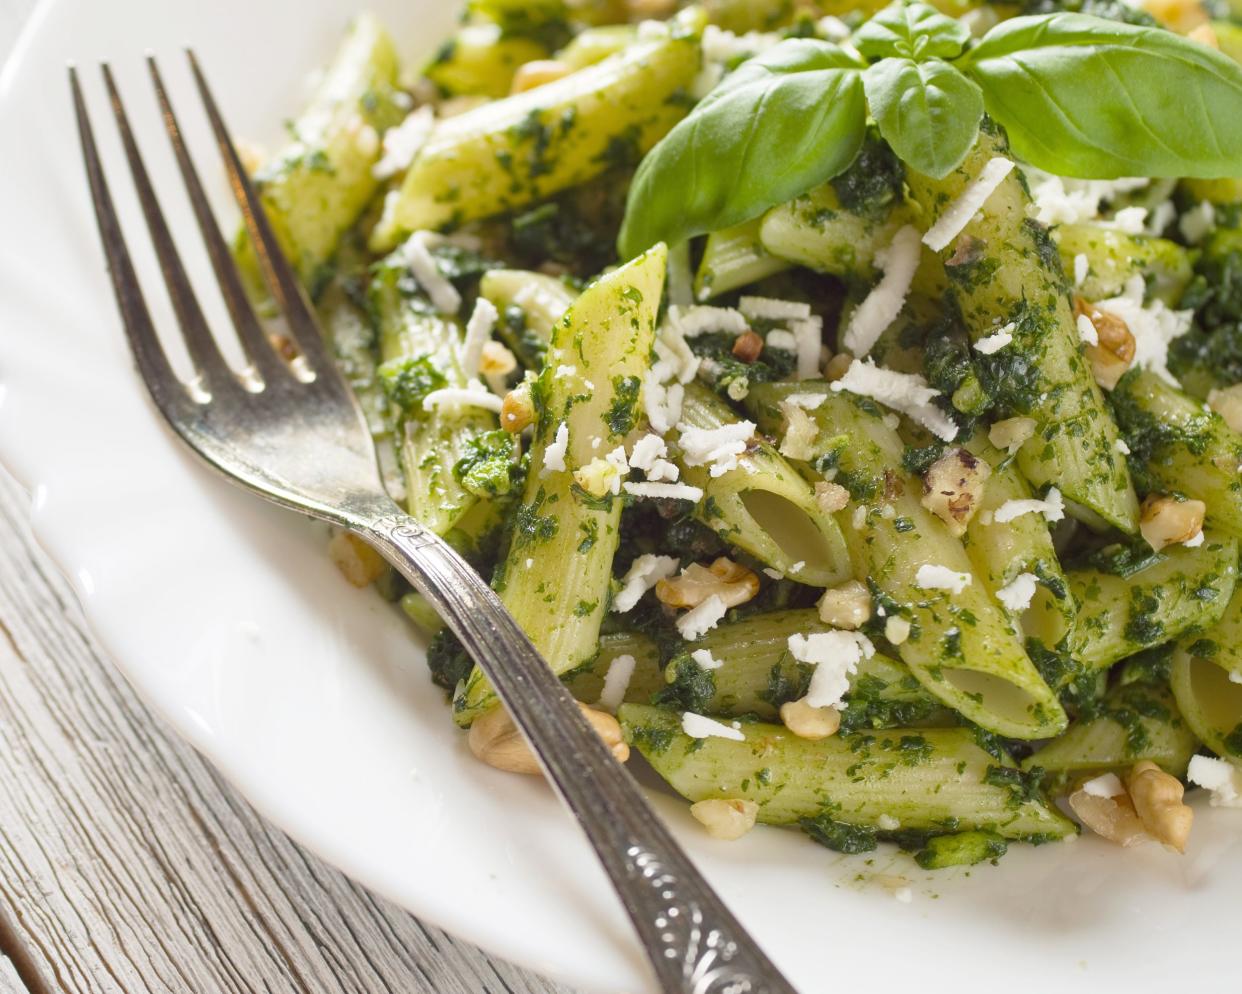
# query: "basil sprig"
[[1078, 95]]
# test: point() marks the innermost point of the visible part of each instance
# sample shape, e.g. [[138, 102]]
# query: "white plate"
[[310, 696]]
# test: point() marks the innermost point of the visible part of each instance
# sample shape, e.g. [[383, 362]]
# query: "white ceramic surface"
[[310, 695]]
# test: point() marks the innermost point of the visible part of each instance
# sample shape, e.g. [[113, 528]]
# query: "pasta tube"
[[1180, 446], [1004, 272], [314, 190], [1137, 606], [556, 576], [1206, 678], [763, 506], [923, 779], [959, 644], [512, 152]]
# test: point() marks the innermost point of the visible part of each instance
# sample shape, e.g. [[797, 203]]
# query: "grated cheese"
[[443, 294], [800, 432], [898, 262], [1153, 326], [807, 401], [773, 309], [809, 335], [1105, 785], [718, 448], [897, 630], [835, 656], [996, 341], [1120, 446], [662, 403], [616, 683], [700, 620], [402, 143], [663, 470], [1222, 778], [1082, 268], [1198, 222], [904, 392], [779, 338], [664, 491], [462, 397], [1058, 200], [698, 726], [702, 318], [478, 331], [959, 213], [1086, 330], [1016, 595], [705, 659], [1052, 507], [647, 450], [674, 358], [933, 577], [644, 573], [554, 454], [1195, 541], [1130, 220]]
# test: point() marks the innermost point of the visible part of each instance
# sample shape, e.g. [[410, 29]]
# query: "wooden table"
[[127, 864]]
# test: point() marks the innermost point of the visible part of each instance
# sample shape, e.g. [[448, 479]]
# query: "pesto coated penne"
[[450, 456], [923, 779], [764, 506], [757, 674], [734, 258], [1003, 272], [1148, 602], [1133, 722], [513, 152], [1181, 446], [1206, 677], [958, 643], [556, 575], [1113, 256], [315, 188], [1011, 552]]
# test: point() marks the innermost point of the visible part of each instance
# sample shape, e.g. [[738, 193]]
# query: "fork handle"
[[694, 943]]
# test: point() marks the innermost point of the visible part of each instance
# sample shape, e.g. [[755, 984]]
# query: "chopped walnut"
[[847, 606], [1157, 799], [1114, 353], [517, 410], [731, 582], [358, 562], [1011, 433], [953, 488], [831, 497], [837, 366], [1228, 404], [747, 347], [800, 433], [1166, 520], [1112, 818]]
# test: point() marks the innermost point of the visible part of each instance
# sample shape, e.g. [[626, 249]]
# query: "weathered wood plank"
[[126, 864], [10, 982]]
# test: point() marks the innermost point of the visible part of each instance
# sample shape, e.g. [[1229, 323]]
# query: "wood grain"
[[126, 864]]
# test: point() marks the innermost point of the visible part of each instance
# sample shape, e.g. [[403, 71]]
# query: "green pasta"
[[1000, 273], [597, 352], [928, 779], [960, 646]]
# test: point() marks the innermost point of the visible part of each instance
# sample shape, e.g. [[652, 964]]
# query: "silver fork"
[[294, 434]]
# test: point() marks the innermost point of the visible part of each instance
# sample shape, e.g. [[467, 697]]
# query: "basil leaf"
[[912, 31], [1082, 96], [781, 124], [927, 111]]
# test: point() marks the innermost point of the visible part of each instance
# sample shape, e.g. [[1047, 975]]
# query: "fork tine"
[[166, 389], [279, 275], [254, 340], [205, 353]]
